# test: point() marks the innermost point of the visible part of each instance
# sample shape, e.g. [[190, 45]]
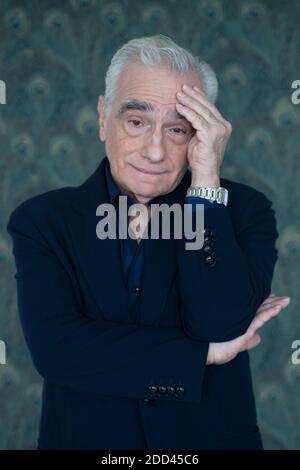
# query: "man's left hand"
[[207, 146]]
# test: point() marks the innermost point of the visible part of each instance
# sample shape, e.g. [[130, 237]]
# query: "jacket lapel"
[[100, 259]]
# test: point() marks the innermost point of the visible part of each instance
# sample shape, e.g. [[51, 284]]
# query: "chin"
[[146, 192]]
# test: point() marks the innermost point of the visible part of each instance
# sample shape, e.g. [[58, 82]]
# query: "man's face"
[[147, 149]]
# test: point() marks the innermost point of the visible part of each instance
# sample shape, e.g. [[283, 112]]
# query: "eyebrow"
[[144, 106]]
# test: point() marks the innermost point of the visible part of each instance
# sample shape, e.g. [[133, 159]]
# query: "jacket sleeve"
[[95, 356], [223, 283]]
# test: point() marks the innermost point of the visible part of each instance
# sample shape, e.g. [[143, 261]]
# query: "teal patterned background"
[[53, 56]]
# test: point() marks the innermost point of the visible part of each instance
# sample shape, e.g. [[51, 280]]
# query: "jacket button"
[[171, 390], [162, 390], [208, 240], [210, 260], [179, 391], [207, 249], [149, 400], [152, 389], [207, 232]]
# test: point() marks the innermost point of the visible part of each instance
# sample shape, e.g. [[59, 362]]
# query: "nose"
[[154, 147]]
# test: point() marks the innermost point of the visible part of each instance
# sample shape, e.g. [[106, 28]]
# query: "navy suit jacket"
[[115, 382]]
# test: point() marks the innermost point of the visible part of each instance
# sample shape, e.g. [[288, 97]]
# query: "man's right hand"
[[220, 353]]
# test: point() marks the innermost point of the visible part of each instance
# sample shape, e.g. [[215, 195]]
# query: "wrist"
[[209, 180], [209, 359]]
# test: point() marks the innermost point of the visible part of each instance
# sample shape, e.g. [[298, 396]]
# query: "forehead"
[[151, 90]]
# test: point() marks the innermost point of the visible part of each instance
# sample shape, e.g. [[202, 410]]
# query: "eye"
[[134, 121], [179, 129]]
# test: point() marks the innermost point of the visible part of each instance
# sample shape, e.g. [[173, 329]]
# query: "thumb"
[[254, 341]]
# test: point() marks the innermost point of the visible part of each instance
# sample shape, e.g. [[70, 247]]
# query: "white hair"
[[152, 51]]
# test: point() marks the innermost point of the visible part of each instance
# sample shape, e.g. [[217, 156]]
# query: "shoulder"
[[55, 201], [249, 207], [54, 205], [39, 225], [240, 194], [42, 216]]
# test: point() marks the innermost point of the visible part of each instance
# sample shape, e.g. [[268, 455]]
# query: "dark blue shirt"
[[133, 253]]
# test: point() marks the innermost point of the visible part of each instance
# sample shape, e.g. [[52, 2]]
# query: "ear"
[[101, 119]]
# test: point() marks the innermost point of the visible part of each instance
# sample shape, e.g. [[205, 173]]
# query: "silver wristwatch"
[[220, 195]]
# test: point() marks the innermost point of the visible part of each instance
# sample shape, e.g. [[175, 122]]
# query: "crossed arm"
[[227, 302]]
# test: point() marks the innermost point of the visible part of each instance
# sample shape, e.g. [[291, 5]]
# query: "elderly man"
[[142, 343]]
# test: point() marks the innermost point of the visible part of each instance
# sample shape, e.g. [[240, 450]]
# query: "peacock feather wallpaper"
[[53, 59]]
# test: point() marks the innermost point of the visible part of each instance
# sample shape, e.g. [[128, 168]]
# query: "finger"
[[270, 299], [261, 319], [283, 301], [265, 314], [264, 303], [198, 121], [273, 298], [268, 313], [253, 342], [201, 97], [196, 106]]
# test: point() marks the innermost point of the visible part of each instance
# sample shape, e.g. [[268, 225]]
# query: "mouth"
[[148, 172]]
